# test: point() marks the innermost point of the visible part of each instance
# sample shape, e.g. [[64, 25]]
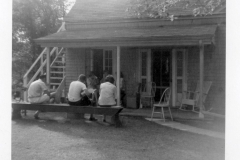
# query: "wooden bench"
[[109, 111]]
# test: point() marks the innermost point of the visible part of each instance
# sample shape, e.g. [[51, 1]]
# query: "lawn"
[[58, 139]]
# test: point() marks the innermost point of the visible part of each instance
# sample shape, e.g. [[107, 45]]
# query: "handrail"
[[40, 68], [59, 90], [56, 57], [30, 69]]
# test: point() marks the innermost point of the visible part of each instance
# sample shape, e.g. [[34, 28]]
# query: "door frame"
[[176, 97], [148, 67], [114, 57]]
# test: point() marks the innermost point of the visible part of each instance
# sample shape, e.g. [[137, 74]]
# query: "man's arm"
[[46, 92], [84, 92]]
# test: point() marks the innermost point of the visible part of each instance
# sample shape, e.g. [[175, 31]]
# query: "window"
[[108, 58]]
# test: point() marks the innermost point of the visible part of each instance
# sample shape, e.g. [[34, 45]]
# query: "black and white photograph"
[[120, 80]]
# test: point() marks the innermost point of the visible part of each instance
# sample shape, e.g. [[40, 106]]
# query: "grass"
[[58, 139]]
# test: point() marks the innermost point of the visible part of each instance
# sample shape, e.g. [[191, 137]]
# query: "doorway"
[[102, 59], [161, 71], [98, 63]]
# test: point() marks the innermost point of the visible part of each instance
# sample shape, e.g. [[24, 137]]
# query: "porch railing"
[[43, 61]]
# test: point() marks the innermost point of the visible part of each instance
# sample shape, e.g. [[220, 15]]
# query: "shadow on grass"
[[137, 139]]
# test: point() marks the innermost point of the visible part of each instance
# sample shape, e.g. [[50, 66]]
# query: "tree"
[[165, 8], [32, 19]]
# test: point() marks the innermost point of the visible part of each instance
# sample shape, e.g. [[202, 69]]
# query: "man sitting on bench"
[[78, 93], [38, 93]]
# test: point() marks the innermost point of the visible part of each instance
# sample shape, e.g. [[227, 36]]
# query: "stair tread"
[[59, 62], [56, 77], [54, 83], [57, 72], [57, 66]]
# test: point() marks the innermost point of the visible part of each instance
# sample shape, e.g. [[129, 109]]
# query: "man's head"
[[110, 79], [105, 73], [43, 77], [82, 78]]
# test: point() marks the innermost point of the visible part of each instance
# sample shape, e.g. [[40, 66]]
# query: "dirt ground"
[[56, 138]]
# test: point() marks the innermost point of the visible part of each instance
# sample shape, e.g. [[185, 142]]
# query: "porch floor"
[[184, 120]]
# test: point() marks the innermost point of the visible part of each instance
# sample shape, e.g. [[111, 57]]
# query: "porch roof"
[[151, 36]]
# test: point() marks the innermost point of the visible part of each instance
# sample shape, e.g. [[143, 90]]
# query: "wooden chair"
[[191, 98], [163, 103], [148, 92]]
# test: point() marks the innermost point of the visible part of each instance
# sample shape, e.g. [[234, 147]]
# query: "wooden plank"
[[201, 47], [174, 78], [48, 65], [67, 108], [118, 75]]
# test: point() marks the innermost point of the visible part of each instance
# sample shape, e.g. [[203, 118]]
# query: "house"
[[101, 35]]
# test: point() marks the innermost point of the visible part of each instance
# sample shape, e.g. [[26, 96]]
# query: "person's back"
[[36, 88], [38, 93], [107, 93], [75, 90], [77, 94]]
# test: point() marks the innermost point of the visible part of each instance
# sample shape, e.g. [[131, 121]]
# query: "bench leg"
[[117, 121], [16, 114]]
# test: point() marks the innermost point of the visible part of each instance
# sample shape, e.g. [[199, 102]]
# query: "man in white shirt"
[[77, 94], [38, 92]]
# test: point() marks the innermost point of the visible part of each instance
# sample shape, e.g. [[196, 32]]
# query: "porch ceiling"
[[154, 36]]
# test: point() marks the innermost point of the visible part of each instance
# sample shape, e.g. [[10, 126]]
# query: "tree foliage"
[[32, 19], [165, 8]]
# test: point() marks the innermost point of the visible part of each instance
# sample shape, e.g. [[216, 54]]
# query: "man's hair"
[[42, 76], [105, 72], [110, 79], [82, 78], [121, 75]]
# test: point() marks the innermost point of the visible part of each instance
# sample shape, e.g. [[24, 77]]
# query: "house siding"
[[214, 70], [129, 68], [75, 65]]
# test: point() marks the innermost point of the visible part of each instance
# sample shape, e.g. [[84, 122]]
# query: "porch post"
[[174, 81], [118, 75], [48, 65], [201, 47]]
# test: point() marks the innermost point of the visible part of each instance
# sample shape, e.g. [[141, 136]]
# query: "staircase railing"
[[59, 90], [58, 53], [42, 62]]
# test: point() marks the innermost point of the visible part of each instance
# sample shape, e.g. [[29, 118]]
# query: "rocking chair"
[[191, 98]]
